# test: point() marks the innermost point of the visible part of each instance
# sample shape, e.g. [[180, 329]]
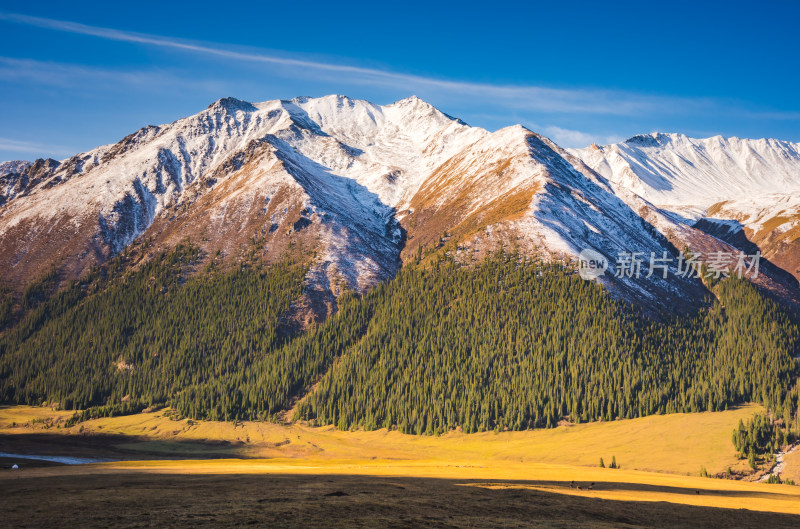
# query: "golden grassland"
[[676, 443], [273, 500], [661, 456], [791, 466], [606, 484]]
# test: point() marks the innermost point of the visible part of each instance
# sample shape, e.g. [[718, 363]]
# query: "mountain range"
[[363, 189]]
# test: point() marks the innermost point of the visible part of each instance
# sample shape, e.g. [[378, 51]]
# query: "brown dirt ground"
[[129, 500]]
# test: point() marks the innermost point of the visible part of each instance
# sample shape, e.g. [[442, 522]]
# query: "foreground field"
[[207, 474], [677, 443], [127, 499]]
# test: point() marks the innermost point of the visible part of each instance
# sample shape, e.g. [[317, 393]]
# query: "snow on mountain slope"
[[18, 175], [346, 164], [750, 186], [14, 166], [361, 187], [674, 171], [518, 189], [389, 149], [771, 222]]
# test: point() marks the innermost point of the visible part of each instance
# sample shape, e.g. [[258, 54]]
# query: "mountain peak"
[[656, 139], [231, 104], [343, 174], [411, 101], [14, 166], [333, 100], [512, 134], [674, 170], [423, 107]]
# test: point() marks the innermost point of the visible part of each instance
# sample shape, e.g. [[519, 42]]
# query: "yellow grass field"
[[619, 485], [791, 468], [661, 456], [677, 443]]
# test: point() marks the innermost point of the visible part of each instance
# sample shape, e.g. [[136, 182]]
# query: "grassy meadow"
[[425, 478], [677, 443]]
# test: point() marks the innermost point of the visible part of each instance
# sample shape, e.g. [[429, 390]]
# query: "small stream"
[[65, 460], [777, 468]]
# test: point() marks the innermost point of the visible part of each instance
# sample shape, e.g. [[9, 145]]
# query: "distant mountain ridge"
[[750, 186], [674, 170], [365, 187]]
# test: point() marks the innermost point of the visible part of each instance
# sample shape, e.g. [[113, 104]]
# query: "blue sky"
[[74, 76]]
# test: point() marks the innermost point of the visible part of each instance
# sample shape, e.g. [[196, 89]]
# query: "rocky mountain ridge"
[[364, 187]]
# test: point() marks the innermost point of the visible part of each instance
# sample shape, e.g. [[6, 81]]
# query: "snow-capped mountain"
[[17, 175], [677, 172], [361, 187], [736, 189], [324, 174]]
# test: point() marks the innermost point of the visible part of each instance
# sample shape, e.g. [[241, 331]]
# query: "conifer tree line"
[[515, 345], [758, 436], [145, 337], [509, 343]]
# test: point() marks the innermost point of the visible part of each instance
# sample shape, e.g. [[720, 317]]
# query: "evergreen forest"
[[509, 343]]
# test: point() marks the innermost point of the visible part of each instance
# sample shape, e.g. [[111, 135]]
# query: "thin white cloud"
[[530, 98], [64, 75], [578, 139], [779, 116], [7, 144]]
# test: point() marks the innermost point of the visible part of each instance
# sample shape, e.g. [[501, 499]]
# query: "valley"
[[675, 443], [266, 474], [320, 302], [399, 266]]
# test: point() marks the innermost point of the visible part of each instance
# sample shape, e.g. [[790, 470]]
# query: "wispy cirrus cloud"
[[529, 98], [577, 138], [9, 145], [770, 115], [65, 74], [573, 117]]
